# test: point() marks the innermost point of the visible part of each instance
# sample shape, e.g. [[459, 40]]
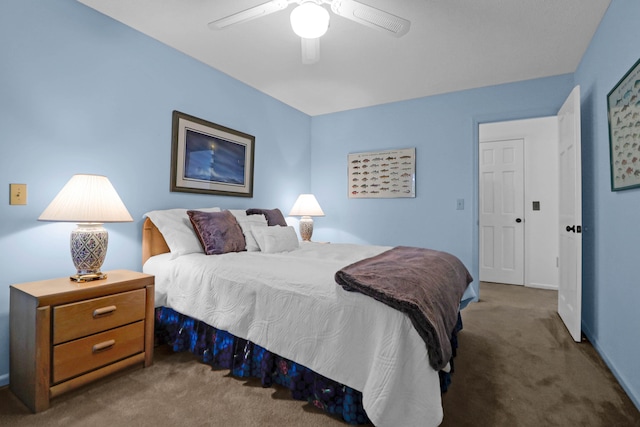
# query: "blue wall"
[[82, 93], [444, 130], [611, 287]]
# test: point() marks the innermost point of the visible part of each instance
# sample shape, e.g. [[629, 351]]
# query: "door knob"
[[571, 228], [518, 220]]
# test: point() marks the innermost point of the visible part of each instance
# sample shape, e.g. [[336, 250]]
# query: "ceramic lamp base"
[[88, 250], [306, 228]]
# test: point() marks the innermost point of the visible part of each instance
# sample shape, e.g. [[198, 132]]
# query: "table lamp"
[[89, 201], [306, 206]]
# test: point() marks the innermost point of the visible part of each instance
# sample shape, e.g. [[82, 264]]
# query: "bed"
[[278, 314]]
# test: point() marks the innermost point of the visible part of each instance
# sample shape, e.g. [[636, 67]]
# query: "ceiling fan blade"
[[249, 14], [310, 50], [371, 17]]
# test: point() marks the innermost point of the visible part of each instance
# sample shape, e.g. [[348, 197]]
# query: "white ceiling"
[[452, 45]]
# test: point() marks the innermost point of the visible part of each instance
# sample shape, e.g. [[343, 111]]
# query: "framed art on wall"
[[382, 174], [209, 158], [623, 105]]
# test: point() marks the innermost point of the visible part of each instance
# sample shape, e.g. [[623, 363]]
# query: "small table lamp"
[[89, 201], [306, 206]]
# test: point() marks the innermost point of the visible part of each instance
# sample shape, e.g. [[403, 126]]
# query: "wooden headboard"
[[153, 242]]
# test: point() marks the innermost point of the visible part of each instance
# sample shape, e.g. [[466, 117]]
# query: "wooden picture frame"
[[382, 174], [209, 158], [623, 107]]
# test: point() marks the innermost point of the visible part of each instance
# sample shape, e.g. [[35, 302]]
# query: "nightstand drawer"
[[85, 354], [84, 318]]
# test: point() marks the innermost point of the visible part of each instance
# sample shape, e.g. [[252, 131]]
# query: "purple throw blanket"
[[425, 284]]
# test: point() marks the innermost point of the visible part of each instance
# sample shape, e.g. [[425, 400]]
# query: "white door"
[[501, 211], [570, 230]]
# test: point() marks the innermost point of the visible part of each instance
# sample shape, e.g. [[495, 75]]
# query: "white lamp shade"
[[310, 20], [306, 205], [87, 198]]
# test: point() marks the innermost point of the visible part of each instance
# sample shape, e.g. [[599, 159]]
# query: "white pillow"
[[276, 239], [176, 228], [250, 240], [248, 223]]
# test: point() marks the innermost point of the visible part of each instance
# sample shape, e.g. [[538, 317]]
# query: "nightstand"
[[66, 334]]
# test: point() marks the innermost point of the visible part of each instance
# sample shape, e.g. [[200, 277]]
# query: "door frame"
[[540, 169], [476, 121]]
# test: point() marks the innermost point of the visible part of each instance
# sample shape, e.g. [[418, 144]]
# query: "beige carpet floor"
[[517, 366]]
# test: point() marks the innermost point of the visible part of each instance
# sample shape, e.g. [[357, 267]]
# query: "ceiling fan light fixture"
[[310, 20]]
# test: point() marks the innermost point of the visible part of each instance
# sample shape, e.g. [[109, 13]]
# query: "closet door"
[[502, 211]]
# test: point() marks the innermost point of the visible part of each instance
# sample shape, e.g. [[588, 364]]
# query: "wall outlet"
[[18, 194], [460, 204]]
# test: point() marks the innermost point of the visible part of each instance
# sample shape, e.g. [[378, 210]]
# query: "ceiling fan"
[[310, 20]]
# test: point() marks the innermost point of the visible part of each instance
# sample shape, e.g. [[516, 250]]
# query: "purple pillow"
[[218, 232], [274, 216]]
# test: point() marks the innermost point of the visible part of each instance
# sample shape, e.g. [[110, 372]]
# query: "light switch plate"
[[18, 194]]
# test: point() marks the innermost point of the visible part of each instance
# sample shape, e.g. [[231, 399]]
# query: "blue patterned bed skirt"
[[245, 359]]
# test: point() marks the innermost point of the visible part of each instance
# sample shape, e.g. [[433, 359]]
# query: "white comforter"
[[290, 304]]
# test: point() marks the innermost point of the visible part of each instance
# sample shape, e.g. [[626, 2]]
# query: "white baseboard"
[[541, 286], [4, 380]]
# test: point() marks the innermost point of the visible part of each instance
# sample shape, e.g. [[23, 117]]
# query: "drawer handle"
[[99, 312], [106, 345]]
